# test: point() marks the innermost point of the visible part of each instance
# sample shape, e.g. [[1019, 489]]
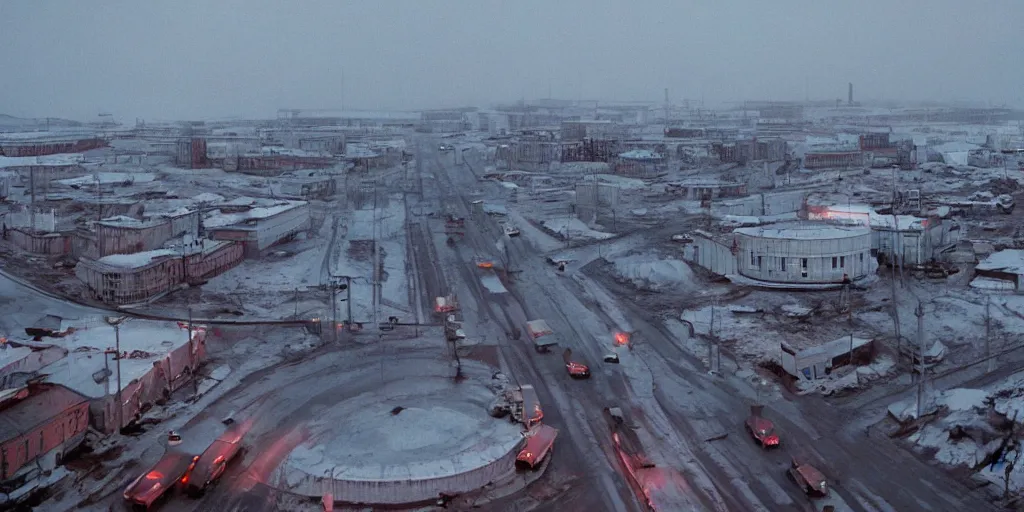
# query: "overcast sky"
[[196, 59]]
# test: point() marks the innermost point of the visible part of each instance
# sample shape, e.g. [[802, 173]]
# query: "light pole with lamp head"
[[116, 322]]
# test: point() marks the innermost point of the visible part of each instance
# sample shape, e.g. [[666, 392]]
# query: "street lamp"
[[116, 322]]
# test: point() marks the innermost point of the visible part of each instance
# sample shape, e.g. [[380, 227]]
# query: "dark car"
[[162, 477], [213, 462]]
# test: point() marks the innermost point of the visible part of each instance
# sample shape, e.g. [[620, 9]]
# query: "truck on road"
[[542, 335]]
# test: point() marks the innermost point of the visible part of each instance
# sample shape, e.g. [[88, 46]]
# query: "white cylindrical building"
[[804, 252]]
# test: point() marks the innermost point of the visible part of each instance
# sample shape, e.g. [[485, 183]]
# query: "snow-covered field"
[[654, 274], [571, 227]]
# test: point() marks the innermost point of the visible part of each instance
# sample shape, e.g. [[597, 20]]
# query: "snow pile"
[[650, 273], [573, 228], [972, 430]]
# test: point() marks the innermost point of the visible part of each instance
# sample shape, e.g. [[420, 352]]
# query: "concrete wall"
[[806, 260], [409, 491], [712, 255], [763, 204], [50, 244]]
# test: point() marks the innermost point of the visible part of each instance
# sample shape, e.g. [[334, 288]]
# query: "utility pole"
[[988, 342], [920, 341], [116, 322], [192, 354]]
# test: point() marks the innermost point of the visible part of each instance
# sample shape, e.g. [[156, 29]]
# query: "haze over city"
[[655, 256], [197, 59]]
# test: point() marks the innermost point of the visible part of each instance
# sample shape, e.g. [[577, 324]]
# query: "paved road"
[[690, 406]]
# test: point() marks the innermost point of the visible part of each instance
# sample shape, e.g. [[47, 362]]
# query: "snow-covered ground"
[[654, 274], [571, 227], [970, 427]]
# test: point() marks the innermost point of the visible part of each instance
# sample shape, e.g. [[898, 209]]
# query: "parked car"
[[165, 475], [213, 462], [511, 231], [761, 428], [683, 238], [808, 477], [611, 357]]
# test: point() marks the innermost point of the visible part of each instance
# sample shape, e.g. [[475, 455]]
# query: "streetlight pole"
[[116, 322]]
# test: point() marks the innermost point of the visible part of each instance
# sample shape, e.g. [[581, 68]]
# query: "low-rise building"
[[39, 424], [804, 253], [32, 144], [905, 238], [639, 163], [311, 187], [156, 359], [698, 189], [1004, 267], [124, 279], [258, 224], [833, 159]]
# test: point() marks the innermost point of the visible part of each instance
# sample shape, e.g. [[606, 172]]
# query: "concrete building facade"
[[808, 253]]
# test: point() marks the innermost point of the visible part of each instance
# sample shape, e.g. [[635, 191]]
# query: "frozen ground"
[[571, 227], [969, 429]]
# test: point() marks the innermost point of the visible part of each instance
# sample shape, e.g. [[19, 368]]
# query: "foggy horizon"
[[193, 60]]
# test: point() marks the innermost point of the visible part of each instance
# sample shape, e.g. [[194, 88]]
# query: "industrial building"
[[442, 121], [258, 224], [639, 163], [124, 279], [33, 144], [804, 253], [699, 189], [833, 159], [579, 130], [905, 238]]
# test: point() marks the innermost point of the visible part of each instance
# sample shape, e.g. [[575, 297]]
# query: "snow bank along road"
[[681, 406]]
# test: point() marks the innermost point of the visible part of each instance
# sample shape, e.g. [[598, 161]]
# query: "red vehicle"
[[213, 462], [446, 304], [761, 428], [809, 479], [576, 370], [162, 477], [539, 441]]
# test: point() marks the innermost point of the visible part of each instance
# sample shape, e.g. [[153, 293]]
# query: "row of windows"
[[838, 262]]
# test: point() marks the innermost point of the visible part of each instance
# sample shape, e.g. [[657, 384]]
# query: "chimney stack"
[[849, 94]]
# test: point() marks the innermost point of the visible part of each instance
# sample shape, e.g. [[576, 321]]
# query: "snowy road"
[[683, 406]]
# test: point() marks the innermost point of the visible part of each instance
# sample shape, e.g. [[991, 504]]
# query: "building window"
[[842, 261], [834, 262], [758, 262], [753, 260], [803, 267], [782, 264], [862, 258]]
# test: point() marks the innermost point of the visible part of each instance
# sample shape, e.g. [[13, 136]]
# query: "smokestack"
[[849, 94]]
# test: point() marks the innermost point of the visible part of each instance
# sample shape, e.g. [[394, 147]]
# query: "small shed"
[[1006, 265], [817, 362]]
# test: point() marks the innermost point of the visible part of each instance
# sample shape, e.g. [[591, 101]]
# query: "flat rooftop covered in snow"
[[804, 231], [443, 428], [145, 342], [1010, 261]]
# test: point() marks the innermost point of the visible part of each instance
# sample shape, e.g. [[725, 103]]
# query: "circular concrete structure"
[[405, 441]]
